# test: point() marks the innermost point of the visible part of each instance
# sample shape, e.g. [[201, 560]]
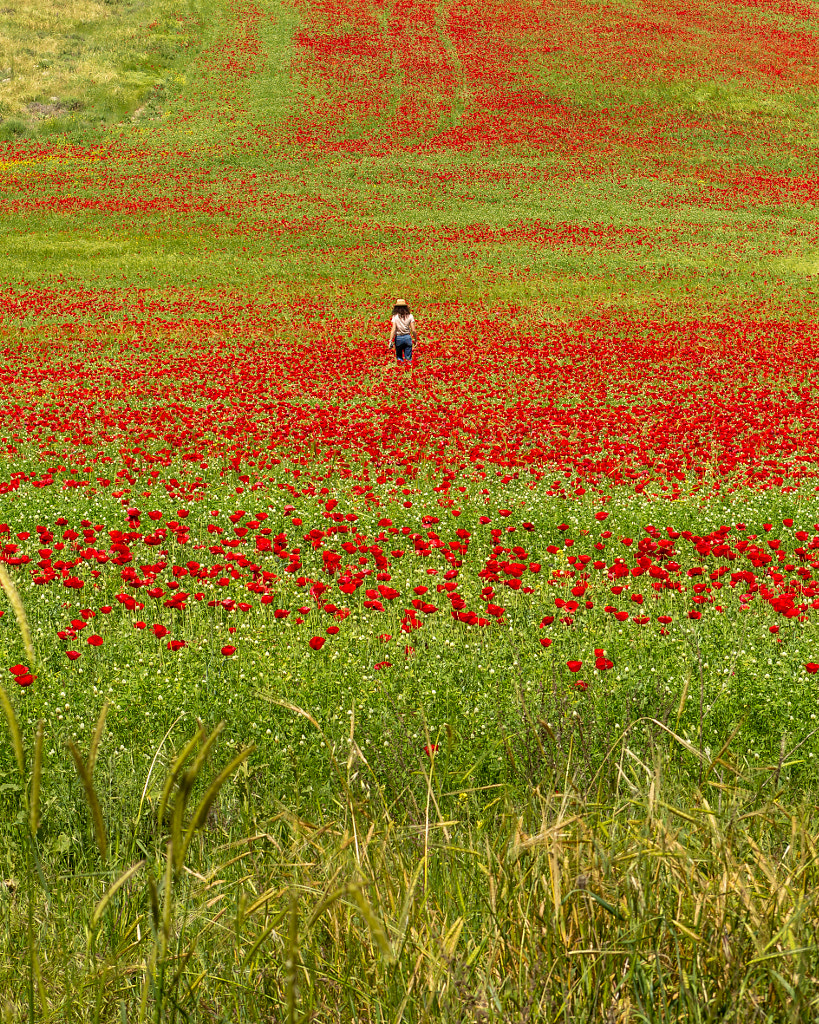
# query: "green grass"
[[422, 897], [645, 845], [71, 68], [695, 263], [707, 250]]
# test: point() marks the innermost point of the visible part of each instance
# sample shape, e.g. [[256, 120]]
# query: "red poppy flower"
[[159, 630], [95, 640], [332, 630], [431, 748], [317, 642], [228, 650], [574, 666], [72, 655], [546, 641], [175, 645], [812, 667]]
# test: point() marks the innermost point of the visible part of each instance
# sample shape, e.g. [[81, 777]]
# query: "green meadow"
[[594, 803]]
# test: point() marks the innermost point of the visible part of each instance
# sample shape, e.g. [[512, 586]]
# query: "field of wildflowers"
[[507, 664]]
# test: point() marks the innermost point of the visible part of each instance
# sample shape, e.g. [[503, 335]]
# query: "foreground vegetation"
[[482, 828], [623, 900]]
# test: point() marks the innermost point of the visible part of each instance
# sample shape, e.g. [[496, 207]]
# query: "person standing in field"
[[403, 333]]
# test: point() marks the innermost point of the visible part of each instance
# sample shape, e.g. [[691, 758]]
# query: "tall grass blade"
[[112, 890], [154, 897], [184, 789], [254, 949], [151, 769], [36, 773], [374, 924], [91, 797], [95, 739], [176, 768], [14, 729], [168, 906], [325, 904], [201, 813], [718, 758], [451, 938], [38, 978], [19, 612], [292, 962]]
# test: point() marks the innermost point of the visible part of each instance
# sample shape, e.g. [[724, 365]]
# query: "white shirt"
[[404, 324]]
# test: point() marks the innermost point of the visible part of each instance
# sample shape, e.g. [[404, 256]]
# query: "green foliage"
[[69, 69], [444, 902]]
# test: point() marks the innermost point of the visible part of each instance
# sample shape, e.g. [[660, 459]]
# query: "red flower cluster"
[[21, 675]]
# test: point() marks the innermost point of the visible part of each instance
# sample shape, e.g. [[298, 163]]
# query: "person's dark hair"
[[400, 310]]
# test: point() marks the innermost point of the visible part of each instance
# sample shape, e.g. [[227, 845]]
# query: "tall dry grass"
[[657, 904]]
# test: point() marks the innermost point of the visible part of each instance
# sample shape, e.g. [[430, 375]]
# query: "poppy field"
[[222, 522], [338, 690]]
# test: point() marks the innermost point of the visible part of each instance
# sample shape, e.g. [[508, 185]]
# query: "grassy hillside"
[[584, 159]]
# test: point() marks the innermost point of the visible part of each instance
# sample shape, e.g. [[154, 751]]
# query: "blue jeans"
[[403, 348]]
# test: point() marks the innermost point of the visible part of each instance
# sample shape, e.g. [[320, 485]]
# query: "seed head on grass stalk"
[[34, 796], [85, 770], [19, 611], [14, 730], [201, 813]]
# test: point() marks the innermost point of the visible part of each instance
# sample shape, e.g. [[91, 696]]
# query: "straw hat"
[[400, 302]]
